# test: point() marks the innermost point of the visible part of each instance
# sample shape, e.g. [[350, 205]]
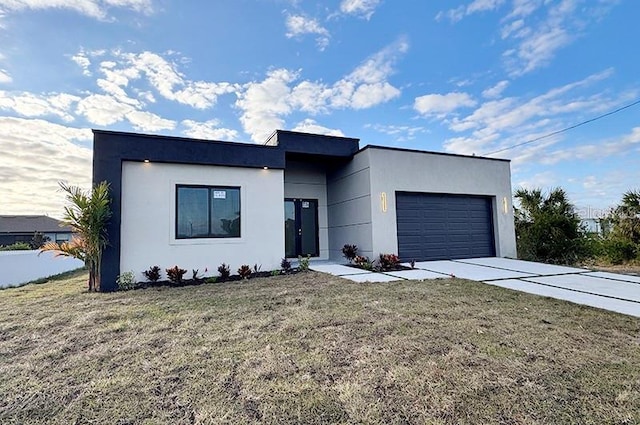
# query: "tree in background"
[[547, 227], [87, 214], [622, 243]]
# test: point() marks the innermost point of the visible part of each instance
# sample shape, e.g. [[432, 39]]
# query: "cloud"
[[83, 62], [399, 133], [310, 126], [5, 78], [92, 8], [361, 8], [298, 25], [37, 155], [264, 104], [602, 149], [32, 105], [208, 130], [495, 91], [442, 104], [456, 14]]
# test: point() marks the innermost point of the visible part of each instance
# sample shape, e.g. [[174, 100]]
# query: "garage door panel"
[[439, 226]]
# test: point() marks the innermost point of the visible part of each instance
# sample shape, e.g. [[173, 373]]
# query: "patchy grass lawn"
[[312, 348]]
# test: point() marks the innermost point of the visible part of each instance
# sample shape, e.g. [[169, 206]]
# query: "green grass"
[[312, 348]]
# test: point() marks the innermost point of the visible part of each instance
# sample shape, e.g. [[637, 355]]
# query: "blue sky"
[[454, 76]]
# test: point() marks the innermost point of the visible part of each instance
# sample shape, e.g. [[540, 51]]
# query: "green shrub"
[[617, 251], [211, 279], [363, 262], [303, 263], [18, 246], [126, 281]]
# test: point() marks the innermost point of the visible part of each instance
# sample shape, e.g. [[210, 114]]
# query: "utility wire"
[[564, 129]]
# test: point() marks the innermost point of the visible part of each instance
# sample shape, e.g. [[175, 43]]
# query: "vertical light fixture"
[[505, 205], [383, 202]]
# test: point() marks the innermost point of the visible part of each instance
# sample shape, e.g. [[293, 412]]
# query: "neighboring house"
[[22, 228], [198, 203]]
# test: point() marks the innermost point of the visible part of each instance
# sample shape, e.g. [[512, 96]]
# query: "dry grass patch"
[[312, 348]]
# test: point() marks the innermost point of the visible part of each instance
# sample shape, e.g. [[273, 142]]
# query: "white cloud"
[[147, 121], [442, 104], [37, 155], [31, 105], [172, 85], [92, 8], [298, 25], [495, 91], [83, 62], [361, 8], [5, 78], [400, 133], [602, 149], [310, 126], [475, 6], [208, 130], [264, 104]]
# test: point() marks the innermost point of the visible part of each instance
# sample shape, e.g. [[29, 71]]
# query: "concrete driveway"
[[609, 291]]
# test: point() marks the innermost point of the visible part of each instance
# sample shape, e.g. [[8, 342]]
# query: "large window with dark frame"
[[207, 212]]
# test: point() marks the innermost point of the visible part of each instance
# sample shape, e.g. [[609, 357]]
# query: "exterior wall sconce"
[[265, 168], [146, 161], [505, 205], [383, 202]]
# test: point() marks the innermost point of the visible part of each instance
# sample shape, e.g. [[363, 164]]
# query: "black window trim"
[[210, 189]]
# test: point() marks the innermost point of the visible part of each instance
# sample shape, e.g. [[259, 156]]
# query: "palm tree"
[[547, 226], [626, 217], [87, 214]]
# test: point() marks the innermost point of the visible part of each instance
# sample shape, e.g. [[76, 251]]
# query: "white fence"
[[19, 267]]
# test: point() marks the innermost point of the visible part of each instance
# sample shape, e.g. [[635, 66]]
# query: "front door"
[[301, 227]]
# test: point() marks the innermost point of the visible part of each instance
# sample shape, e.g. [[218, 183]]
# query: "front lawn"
[[312, 348]]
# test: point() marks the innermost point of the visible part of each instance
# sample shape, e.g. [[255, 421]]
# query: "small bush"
[[176, 274], [388, 262], [153, 274], [195, 277], [275, 272], [303, 263], [285, 265], [212, 279], [412, 263], [244, 271], [350, 252], [618, 251], [225, 271], [18, 246], [363, 262], [126, 281], [257, 267]]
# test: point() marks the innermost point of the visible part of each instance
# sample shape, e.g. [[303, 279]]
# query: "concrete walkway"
[[609, 291]]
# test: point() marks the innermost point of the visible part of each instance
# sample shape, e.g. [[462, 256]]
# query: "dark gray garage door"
[[440, 227]]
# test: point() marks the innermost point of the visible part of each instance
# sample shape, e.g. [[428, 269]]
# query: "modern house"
[[22, 228], [198, 203]]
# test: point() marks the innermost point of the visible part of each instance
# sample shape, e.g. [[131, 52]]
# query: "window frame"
[[210, 190]]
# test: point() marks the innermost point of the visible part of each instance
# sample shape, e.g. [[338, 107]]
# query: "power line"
[[564, 129]]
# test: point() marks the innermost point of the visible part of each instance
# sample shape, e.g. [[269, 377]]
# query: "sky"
[[457, 76]]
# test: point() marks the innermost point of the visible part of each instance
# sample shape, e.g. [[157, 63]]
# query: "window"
[[207, 212]]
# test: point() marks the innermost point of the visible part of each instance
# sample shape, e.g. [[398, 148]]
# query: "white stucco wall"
[[148, 218], [395, 170], [20, 267], [308, 180]]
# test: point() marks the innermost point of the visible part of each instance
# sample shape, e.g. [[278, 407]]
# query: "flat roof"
[[389, 148]]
